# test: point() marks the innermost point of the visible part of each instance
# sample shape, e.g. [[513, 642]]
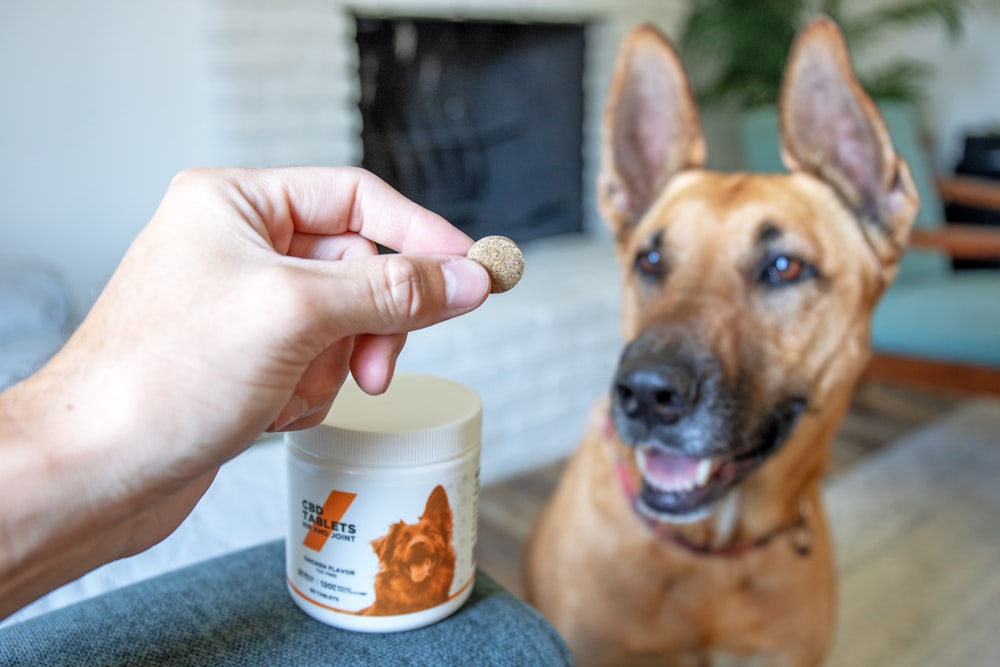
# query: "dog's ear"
[[379, 546], [831, 128], [385, 545], [438, 511], [651, 127]]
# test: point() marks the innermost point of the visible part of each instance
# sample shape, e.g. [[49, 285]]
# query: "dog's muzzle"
[[694, 436]]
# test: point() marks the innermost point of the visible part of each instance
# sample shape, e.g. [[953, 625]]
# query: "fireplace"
[[480, 121]]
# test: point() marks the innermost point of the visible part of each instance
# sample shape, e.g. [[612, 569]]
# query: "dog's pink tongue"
[[668, 469]]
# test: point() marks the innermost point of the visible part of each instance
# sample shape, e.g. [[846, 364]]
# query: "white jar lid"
[[420, 419]]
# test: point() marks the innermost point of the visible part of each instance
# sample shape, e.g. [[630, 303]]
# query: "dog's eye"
[[785, 270], [649, 263]]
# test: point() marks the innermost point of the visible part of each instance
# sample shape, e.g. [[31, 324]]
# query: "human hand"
[[240, 307], [250, 293]]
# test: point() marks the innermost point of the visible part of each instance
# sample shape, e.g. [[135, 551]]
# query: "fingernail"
[[466, 282]]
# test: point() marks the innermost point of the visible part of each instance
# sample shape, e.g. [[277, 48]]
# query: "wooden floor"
[[879, 414]]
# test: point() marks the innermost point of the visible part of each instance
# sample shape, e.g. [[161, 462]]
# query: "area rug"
[[917, 533]]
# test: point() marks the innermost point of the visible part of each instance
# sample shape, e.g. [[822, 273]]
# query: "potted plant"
[[740, 47]]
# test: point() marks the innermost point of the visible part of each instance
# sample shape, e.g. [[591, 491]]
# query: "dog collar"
[[797, 530]]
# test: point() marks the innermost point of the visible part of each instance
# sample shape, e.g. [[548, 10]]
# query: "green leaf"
[[948, 13], [901, 80], [739, 48]]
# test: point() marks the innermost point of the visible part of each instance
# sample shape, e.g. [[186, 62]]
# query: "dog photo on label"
[[416, 561], [688, 528]]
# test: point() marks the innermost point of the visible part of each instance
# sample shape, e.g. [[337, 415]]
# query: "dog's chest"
[[667, 600], [695, 612], [690, 598]]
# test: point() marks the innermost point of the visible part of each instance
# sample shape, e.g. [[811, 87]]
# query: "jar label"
[[381, 549]]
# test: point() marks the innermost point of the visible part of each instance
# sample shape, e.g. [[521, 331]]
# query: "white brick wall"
[[286, 82]]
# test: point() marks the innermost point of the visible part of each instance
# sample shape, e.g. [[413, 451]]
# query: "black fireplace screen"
[[481, 122]]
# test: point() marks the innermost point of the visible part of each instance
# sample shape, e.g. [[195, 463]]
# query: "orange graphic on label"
[[333, 511]]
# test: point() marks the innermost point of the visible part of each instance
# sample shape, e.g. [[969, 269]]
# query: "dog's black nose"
[[654, 395]]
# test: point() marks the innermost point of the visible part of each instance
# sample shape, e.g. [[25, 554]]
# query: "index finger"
[[335, 200]]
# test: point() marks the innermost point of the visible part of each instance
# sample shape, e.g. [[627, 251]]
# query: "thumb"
[[390, 294]]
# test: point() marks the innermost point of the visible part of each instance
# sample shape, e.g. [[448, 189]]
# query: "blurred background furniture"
[[935, 326], [975, 199]]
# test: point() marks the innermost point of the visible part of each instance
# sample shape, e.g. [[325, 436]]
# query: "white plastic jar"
[[383, 506]]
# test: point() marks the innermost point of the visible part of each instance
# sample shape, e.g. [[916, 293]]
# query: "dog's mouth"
[[675, 486], [420, 561], [421, 570]]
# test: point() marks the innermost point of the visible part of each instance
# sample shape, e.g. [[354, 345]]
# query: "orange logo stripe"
[[333, 511]]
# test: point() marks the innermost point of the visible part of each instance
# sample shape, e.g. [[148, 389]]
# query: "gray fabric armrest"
[[235, 610]]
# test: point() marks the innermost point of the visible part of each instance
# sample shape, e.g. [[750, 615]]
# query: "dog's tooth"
[[703, 472]]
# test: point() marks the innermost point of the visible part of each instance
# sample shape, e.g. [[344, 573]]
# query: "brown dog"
[[416, 561], [688, 529]]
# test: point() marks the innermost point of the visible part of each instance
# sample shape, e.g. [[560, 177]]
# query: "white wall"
[[102, 102]]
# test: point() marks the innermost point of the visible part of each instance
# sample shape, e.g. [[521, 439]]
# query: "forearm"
[[50, 530]]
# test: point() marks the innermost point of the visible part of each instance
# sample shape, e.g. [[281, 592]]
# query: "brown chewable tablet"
[[501, 258]]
